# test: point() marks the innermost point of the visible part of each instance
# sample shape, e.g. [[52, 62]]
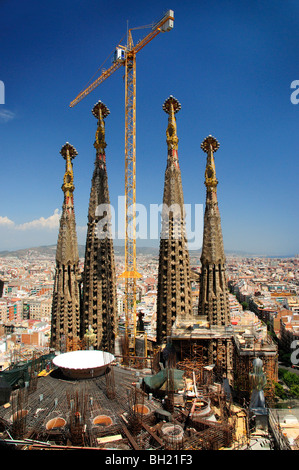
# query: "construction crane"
[[126, 56]]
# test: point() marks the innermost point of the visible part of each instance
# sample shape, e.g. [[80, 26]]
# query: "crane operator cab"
[[119, 55]]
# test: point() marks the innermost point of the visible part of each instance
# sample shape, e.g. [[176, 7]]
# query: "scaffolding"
[[136, 410], [18, 418], [114, 411], [194, 361], [243, 368], [79, 412], [110, 383]]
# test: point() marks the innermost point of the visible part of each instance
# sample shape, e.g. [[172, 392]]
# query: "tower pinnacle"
[[210, 145], [69, 153], [100, 111], [171, 106]]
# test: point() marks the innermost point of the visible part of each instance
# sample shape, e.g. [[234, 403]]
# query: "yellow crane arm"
[[97, 82], [165, 24]]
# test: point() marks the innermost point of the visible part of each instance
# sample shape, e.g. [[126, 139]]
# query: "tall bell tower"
[[99, 284], [174, 288], [213, 293], [65, 323]]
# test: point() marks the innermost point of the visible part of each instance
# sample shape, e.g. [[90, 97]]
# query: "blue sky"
[[229, 63]]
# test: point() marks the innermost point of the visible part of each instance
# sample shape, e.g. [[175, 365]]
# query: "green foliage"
[[279, 391], [289, 377], [294, 390], [292, 382]]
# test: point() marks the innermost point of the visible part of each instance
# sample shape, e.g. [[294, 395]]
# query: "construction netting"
[[21, 372], [166, 379]]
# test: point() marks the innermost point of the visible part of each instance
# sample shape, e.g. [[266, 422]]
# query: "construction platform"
[[113, 412], [93, 412]]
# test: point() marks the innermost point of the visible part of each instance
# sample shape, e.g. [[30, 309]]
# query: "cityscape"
[[268, 288], [263, 297], [168, 337]]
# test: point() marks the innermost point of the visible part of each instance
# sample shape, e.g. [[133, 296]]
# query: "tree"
[[294, 390], [279, 391]]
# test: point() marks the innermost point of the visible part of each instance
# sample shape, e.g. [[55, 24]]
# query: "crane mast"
[[126, 56], [130, 273]]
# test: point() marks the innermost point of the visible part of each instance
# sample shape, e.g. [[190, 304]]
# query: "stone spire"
[[99, 284], [213, 294], [65, 324], [174, 287]]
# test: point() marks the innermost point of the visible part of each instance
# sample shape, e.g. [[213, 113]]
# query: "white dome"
[[83, 364]]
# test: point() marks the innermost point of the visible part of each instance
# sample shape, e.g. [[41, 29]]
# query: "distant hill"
[[49, 250], [25, 252]]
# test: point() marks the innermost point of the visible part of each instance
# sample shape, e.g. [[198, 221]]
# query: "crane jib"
[[165, 24]]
